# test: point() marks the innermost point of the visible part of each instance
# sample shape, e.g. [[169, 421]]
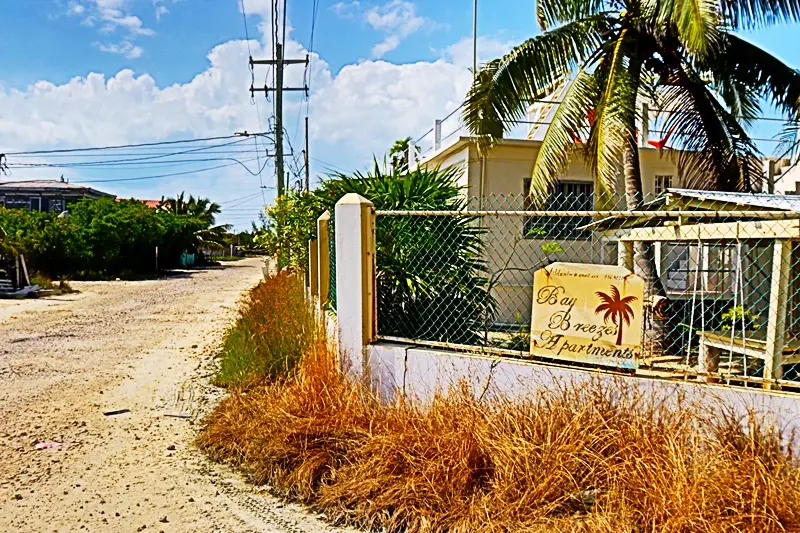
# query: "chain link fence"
[[721, 277]]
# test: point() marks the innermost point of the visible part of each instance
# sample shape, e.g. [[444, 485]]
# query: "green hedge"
[[99, 238]]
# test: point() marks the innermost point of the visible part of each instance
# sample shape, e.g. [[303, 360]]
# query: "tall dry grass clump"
[[592, 456], [274, 328]]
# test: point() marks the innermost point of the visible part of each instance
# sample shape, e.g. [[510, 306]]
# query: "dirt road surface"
[[144, 347]]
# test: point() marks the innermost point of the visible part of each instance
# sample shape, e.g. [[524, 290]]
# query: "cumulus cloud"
[[346, 10], [112, 16], [397, 19], [355, 112], [124, 48]]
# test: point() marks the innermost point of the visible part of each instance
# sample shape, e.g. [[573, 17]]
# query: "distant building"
[[153, 204], [45, 195]]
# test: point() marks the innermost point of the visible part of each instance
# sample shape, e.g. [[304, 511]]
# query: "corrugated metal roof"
[[49, 187], [40, 184], [783, 202]]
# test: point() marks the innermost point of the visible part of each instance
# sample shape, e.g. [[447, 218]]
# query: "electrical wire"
[[255, 102], [148, 158], [196, 171], [251, 196], [115, 147]]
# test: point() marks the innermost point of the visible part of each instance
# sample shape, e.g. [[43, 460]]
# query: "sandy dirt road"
[[146, 347]]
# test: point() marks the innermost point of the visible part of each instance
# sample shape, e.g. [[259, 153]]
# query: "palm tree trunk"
[[619, 333], [644, 262]]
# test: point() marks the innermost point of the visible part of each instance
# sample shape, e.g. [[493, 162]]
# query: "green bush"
[[100, 238], [431, 277], [276, 325]]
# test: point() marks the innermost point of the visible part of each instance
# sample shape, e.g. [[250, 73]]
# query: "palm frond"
[[716, 151], [696, 22], [504, 87], [559, 141], [615, 116], [748, 65], [551, 13], [751, 14]]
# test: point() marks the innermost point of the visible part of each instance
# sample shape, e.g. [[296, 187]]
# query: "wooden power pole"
[[279, 62], [305, 153]]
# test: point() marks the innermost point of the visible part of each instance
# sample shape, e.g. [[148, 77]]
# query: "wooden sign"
[[587, 313]]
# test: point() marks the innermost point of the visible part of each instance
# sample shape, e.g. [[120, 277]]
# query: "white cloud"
[[460, 53], [397, 19], [161, 10], [346, 10], [124, 48], [355, 112], [113, 16]]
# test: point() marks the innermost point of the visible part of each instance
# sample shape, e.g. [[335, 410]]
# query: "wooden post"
[[625, 254], [25, 270], [707, 361], [776, 325], [313, 268], [324, 257]]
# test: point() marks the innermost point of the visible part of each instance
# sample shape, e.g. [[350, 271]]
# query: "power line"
[[250, 196], [253, 101], [147, 159], [116, 147], [123, 164], [140, 178]]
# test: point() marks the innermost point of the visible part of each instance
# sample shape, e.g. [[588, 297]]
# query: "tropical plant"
[[209, 236], [605, 57], [738, 318], [430, 273], [398, 153], [291, 223]]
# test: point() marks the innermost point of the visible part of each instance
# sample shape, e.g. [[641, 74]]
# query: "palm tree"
[[684, 55], [209, 235], [398, 154], [201, 208], [616, 308]]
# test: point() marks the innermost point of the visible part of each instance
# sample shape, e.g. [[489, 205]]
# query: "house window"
[[36, 204], [566, 196], [663, 182]]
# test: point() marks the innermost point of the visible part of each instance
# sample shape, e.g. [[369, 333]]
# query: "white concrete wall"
[[420, 372]]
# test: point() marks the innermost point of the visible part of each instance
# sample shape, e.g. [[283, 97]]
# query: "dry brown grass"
[[584, 457]]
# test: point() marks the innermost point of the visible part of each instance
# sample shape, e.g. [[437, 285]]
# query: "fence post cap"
[[353, 198], [325, 216]]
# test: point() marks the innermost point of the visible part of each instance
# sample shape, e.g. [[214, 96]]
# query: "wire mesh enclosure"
[[720, 271]]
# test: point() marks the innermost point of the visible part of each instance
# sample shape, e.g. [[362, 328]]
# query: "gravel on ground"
[[142, 353]]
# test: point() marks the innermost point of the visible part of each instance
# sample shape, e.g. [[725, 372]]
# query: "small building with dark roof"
[[45, 195]]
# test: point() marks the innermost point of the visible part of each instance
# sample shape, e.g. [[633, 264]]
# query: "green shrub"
[[275, 326]]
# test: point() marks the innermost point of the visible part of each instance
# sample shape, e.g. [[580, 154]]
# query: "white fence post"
[[355, 281]]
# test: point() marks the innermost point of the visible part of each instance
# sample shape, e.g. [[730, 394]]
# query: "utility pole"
[[279, 64], [305, 153], [474, 39]]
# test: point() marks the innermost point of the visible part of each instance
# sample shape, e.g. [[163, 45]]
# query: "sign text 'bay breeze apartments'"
[[587, 313]]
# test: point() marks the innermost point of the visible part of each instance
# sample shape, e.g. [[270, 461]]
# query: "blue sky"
[[100, 72]]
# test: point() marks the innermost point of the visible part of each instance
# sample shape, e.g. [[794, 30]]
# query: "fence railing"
[[722, 284]]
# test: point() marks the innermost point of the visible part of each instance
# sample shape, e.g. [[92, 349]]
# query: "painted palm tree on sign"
[[617, 309]]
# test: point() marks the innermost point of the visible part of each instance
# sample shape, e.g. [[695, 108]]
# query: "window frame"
[[560, 227]]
